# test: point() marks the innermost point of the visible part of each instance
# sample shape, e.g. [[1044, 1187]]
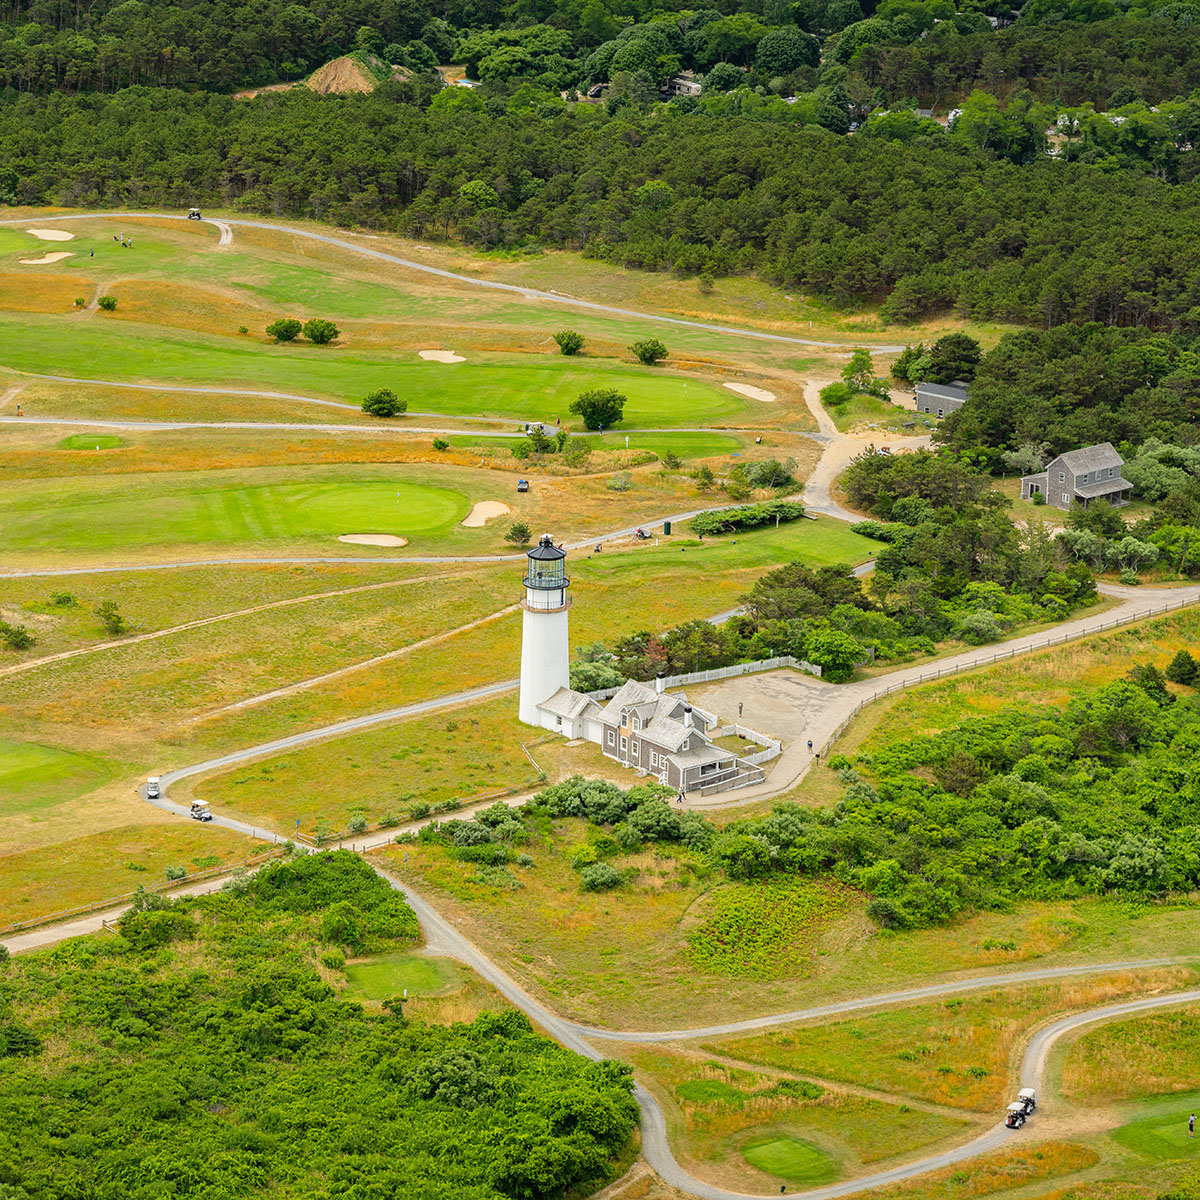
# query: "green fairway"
[[791, 1159], [390, 975], [1164, 1134], [92, 441], [34, 777], [684, 444], [522, 386], [194, 510]]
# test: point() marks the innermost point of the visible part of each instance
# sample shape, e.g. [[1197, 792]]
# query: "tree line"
[[923, 226]]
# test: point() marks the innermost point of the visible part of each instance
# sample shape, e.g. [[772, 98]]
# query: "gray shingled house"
[[667, 737], [941, 399], [1093, 473]]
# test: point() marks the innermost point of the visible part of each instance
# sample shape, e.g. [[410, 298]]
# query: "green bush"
[[750, 516], [16, 637], [320, 332], [107, 303], [284, 329], [649, 351], [599, 877], [441, 444], [335, 960], [175, 872], [569, 341], [383, 402]]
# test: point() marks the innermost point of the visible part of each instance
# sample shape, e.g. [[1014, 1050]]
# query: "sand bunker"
[[485, 510], [47, 258], [754, 393], [373, 539], [446, 356], [51, 235]]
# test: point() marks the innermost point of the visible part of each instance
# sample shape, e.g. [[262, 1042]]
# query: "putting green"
[[200, 514], [92, 441], [1163, 1135], [390, 975], [792, 1159], [34, 777]]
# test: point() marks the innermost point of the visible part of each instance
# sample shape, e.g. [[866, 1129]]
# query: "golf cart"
[[1028, 1097], [153, 788], [522, 485], [201, 811], [194, 214], [1014, 1116]]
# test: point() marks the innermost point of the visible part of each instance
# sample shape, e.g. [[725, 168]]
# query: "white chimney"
[[687, 716], [660, 684]]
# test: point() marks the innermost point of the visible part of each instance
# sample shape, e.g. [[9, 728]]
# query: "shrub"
[[243, 329], [600, 408], [108, 303], [80, 301], [285, 329], [384, 403], [419, 810], [599, 877], [524, 860], [175, 872], [320, 332], [519, 533], [358, 823], [621, 482], [335, 960], [671, 462], [16, 637], [63, 600], [1129, 577], [1038, 498], [441, 444], [569, 341], [390, 819], [750, 516], [978, 628], [1183, 668], [110, 617], [649, 351]]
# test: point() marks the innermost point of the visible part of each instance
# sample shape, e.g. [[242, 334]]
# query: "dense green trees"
[[210, 1058], [932, 224]]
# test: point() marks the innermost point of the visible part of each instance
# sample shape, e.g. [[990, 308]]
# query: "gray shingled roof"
[[699, 755], [1106, 487], [566, 703], [947, 391], [631, 692], [1092, 458]]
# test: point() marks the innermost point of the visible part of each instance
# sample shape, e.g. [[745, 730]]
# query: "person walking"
[[1192, 1126], [739, 708], [810, 745]]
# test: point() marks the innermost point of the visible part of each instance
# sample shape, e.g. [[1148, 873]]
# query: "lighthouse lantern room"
[[545, 642]]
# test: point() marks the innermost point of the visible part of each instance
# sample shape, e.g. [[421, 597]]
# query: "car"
[[1014, 1115], [522, 485]]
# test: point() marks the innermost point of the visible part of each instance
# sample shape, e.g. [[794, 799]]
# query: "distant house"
[[1093, 473], [684, 84], [941, 399]]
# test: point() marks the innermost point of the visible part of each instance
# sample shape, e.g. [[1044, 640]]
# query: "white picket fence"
[[770, 747], [749, 668]]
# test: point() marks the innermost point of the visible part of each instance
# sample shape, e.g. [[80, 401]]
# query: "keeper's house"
[[1083, 476]]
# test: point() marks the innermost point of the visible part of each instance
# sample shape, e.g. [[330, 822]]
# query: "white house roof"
[[568, 704], [1092, 458]]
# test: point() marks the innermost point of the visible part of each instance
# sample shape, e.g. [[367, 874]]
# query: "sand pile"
[[372, 539], [754, 393], [47, 258], [51, 235], [485, 510], [341, 75]]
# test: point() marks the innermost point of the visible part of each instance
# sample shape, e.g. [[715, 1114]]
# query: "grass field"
[[790, 1158], [92, 441], [863, 411], [200, 511], [37, 777], [957, 1052], [1163, 1134], [1134, 1059], [388, 975]]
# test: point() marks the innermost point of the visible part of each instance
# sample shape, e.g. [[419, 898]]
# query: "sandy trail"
[[483, 512], [47, 259]]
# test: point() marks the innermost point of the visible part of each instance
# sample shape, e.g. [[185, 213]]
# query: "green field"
[[194, 510], [388, 975], [522, 386], [792, 1159], [1163, 1134], [35, 777], [92, 441], [685, 444]]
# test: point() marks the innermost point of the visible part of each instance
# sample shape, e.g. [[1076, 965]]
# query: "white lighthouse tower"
[[545, 644]]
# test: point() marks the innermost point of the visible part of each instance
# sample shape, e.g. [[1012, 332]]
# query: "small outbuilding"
[[941, 399]]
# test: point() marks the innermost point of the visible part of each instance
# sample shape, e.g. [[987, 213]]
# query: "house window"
[[686, 742], [1066, 498], [635, 747], [1083, 478], [612, 738], [1062, 477], [624, 745], [939, 412], [559, 721], [637, 724]]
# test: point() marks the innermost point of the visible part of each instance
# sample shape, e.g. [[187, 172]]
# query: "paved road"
[[512, 288]]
